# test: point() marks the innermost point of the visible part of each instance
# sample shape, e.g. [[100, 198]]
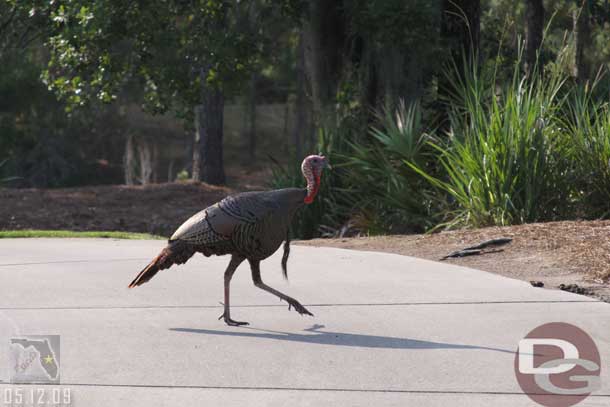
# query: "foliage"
[[45, 146], [5, 179], [587, 123], [332, 205], [530, 149], [22, 23], [389, 196], [182, 176], [515, 149], [165, 49], [369, 189], [504, 161]]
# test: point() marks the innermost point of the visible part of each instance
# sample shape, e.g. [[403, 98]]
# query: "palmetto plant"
[[390, 197], [369, 188], [401, 131]]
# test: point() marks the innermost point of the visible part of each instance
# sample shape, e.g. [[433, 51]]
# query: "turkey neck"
[[313, 184]]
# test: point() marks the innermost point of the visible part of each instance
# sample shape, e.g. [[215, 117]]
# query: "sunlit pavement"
[[388, 330]]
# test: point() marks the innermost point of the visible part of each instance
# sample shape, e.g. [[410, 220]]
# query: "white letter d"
[[526, 355]]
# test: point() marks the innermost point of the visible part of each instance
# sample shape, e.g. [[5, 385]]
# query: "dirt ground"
[[156, 209], [569, 253]]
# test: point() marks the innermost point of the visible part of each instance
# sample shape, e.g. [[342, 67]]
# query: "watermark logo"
[[35, 359], [558, 365]]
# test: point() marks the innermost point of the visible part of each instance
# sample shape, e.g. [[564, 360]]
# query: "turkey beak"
[[327, 165]]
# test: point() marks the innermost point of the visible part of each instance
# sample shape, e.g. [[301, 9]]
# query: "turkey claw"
[[231, 322], [298, 308]]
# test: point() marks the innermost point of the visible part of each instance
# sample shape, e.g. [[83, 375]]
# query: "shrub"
[[504, 160]]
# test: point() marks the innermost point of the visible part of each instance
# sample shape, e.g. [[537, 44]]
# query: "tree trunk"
[[582, 37], [325, 36], [196, 173], [170, 171], [533, 37], [129, 161], [401, 76], [413, 82], [251, 119], [155, 162], [300, 126], [209, 120], [146, 160]]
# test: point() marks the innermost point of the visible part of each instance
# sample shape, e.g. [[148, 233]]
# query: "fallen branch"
[[479, 249]]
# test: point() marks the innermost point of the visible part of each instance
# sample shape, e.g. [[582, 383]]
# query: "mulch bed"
[[158, 208]]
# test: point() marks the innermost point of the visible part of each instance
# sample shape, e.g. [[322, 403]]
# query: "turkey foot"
[[298, 307], [256, 278], [231, 322]]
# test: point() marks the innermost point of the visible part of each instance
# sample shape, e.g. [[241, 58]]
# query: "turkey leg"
[[233, 264], [256, 278]]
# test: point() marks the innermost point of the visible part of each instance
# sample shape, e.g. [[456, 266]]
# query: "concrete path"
[[388, 330]]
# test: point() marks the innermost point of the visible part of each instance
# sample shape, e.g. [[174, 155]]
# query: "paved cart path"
[[388, 330]]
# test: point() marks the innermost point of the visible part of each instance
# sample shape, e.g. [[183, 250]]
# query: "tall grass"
[[504, 160], [587, 123]]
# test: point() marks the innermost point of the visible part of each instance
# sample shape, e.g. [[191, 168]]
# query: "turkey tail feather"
[[146, 274], [176, 252], [285, 257]]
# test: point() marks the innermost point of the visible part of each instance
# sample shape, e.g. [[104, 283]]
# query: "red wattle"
[[316, 187]]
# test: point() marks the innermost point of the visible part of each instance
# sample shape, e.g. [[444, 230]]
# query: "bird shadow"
[[316, 335]]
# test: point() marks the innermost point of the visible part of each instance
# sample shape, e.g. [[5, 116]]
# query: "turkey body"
[[251, 224]]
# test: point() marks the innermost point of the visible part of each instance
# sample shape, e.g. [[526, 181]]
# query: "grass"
[[10, 234], [587, 122]]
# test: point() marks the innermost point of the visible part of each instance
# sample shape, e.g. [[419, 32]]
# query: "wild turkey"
[[250, 225]]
